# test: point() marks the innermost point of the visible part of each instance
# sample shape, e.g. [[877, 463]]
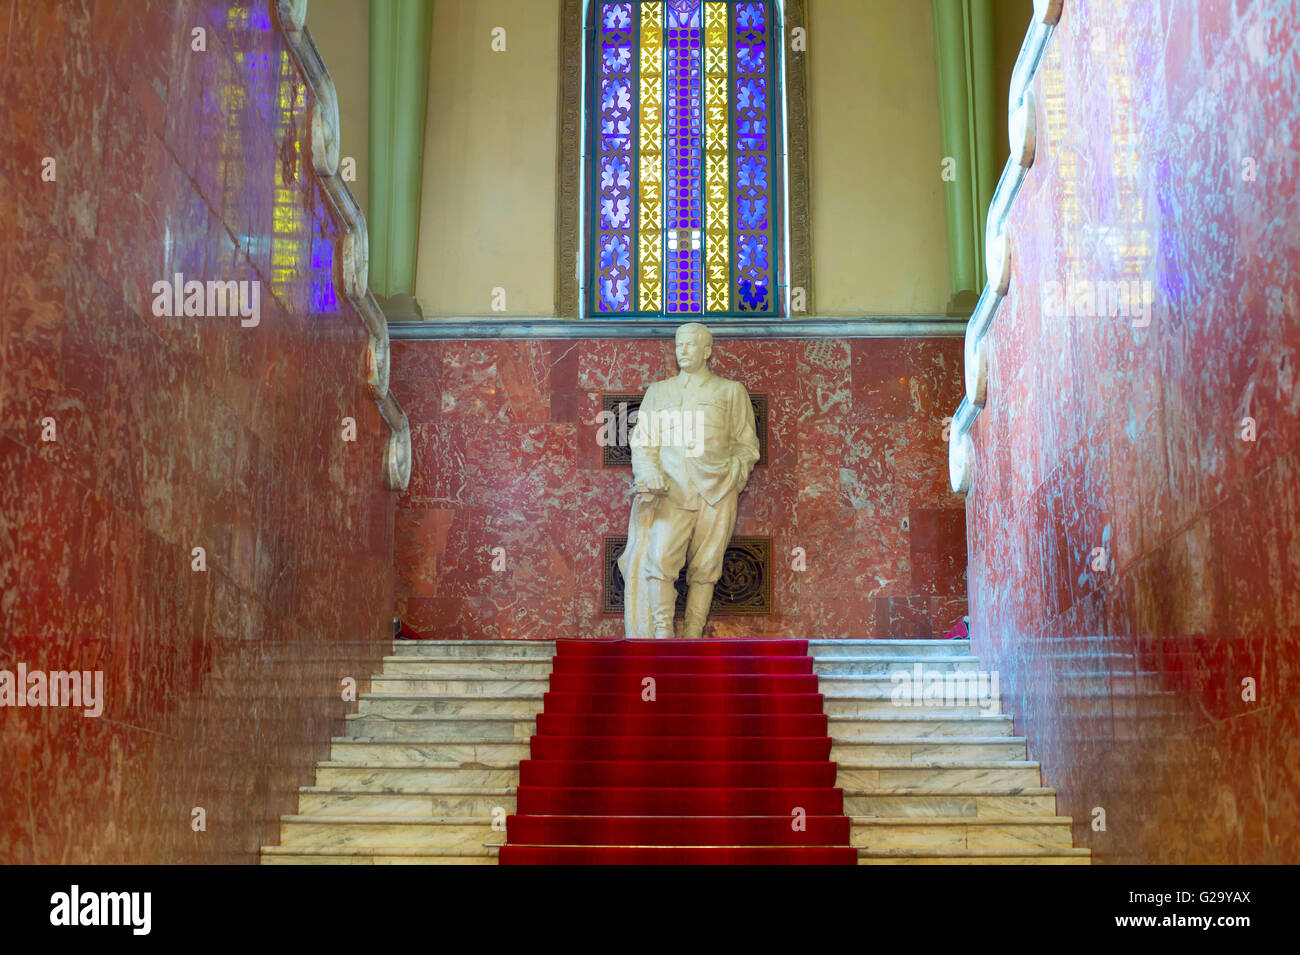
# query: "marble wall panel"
[[221, 688], [1170, 157], [506, 455]]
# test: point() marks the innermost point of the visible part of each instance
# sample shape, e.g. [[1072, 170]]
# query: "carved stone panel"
[[744, 588]]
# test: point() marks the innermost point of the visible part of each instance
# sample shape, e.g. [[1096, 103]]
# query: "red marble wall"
[[504, 439], [221, 687], [1169, 148]]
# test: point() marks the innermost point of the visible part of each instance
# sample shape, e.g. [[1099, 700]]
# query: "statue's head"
[[694, 346]]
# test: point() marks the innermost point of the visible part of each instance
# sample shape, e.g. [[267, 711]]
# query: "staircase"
[[429, 769], [429, 764], [933, 783], [680, 752]]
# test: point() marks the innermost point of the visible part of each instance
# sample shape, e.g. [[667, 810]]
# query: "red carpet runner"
[[728, 764]]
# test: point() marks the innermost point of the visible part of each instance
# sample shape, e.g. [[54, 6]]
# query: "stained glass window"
[[683, 158]]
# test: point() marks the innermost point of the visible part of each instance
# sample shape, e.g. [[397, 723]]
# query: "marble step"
[[889, 665], [910, 833], [929, 750], [829, 649], [375, 855], [347, 749], [863, 701], [388, 831], [867, 702], [522, 706], [461, 686], [419, 803], [940, 776], [963, 684], [460, 668], [485, 729], [545, 649], [1001, 856], [462, 649], [483, 802], [882, 725], [1037, 801], [949, 832], [416, 775]]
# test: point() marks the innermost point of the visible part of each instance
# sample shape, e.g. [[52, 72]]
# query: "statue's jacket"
[[700, 432]]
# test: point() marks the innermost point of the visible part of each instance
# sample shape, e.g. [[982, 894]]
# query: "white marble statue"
[[693, 448]]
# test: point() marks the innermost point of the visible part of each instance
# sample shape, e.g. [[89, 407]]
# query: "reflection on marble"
[[173, 433], [1169, 139], [506, 455]]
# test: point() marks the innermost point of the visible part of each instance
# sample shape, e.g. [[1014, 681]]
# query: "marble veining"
[[1135, 511], [222, 687]]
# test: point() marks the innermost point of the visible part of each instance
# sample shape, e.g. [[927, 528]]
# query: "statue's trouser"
[[698, 600], [663, 596], [698, 538]]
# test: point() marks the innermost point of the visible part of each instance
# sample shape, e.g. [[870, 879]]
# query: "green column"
[[963, 40], [399, 81]]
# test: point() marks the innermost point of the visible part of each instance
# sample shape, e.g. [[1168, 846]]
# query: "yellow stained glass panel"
[[717, 226], [651, 193]]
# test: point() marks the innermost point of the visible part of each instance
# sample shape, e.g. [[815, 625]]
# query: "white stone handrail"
[[354, 255], [1022, 130]]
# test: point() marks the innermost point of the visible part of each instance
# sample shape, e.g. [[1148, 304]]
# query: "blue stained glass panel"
[[752, 170], [614, 185]]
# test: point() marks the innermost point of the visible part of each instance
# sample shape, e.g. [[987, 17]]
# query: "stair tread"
[[440, 717], [904, 717], [675, 848], [962, 820], [376, 850], [954, 764], [443, 764], [889, 677], [1000, 791], [472, 643], [464, 678], [929, 740], [432, 740], [1009, 851], [884, 641], [417, 764], [662, 817], [378, 695], [524, 740], [403, 658], [815, 641], [903, 658], [326, 819], [410, 790]]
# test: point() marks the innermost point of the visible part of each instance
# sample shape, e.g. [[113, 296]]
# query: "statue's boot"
[[698, 600], [664, 597]]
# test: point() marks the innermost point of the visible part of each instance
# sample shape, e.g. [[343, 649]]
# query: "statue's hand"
[[738, 480], [656, 480]]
